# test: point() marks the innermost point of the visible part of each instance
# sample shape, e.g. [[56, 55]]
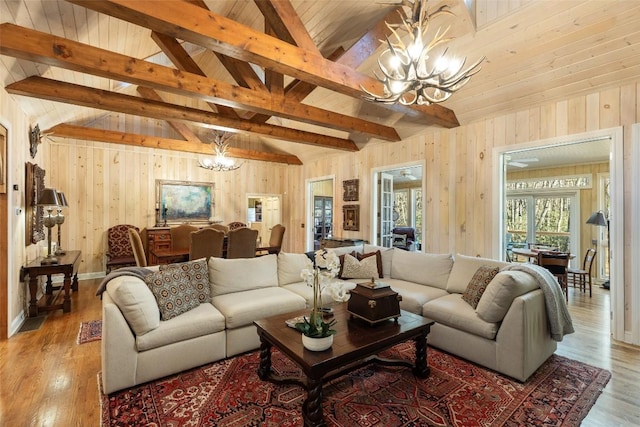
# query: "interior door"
[[322, 219], [385, 210]]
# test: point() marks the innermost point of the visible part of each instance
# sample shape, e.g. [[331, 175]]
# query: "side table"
[[68, 265]]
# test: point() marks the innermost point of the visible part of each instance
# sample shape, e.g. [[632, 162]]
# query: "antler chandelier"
[[415, 73], [221, 163]]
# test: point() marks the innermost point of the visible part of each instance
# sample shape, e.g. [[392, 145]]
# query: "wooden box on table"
[[374, 302]]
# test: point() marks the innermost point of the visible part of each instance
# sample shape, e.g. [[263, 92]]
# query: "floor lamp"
[[60, 221], [49, 200], [598, 218]]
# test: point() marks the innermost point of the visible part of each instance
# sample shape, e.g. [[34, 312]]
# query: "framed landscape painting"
[[182, 202]]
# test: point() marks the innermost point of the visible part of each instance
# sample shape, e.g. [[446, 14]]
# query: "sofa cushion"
[[450, 310], [136, 302], [290, 266], [242, 274], [177, 290], [421, 268], [500, 293], [242, 308], [354, 269], [464, 267], [203, 320], [414, 296], [478, 283], [377, 255], [386, 255], [194, 268]]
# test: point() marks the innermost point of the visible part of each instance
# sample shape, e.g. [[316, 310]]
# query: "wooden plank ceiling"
[[286, 75]]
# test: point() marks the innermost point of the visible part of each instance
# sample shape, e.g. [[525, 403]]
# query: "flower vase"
[[317, 344]]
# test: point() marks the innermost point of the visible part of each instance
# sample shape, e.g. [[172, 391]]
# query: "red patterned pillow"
[[478, 283]]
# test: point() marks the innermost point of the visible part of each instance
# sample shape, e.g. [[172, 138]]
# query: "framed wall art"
[[351, 215], [350, 190], [34, 215], [185, 202]]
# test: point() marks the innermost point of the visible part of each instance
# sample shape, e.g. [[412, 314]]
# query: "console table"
[[336, 242], [68, 265]]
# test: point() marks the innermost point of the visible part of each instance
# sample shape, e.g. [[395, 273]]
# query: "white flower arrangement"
[[319, 276]]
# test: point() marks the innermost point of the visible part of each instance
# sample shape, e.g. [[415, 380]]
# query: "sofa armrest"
[[523, 340], [118, 346]]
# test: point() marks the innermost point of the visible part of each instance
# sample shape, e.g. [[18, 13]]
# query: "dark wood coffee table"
[[356, 343]]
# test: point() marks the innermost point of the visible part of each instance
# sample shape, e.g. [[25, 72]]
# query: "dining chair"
[[241, 243], [220, 227], [275, 241], [138, 248], [558, 264], [180, 236], [234, 225], [119, 250], [582, 276], [206, 243]]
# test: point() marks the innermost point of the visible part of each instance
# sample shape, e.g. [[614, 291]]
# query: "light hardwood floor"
[[46, 379]]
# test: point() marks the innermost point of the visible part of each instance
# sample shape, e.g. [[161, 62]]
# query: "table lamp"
[[60, 220], [49, 200], [598, 218]]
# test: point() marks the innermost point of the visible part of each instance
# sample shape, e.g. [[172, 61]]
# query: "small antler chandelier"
[[221, 163], [412, 73]]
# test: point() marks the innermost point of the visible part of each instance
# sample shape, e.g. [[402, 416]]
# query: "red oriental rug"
[[90, 331], [457, 393]]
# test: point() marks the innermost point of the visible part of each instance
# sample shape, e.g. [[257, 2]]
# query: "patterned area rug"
[[90, 331], [457, 393]]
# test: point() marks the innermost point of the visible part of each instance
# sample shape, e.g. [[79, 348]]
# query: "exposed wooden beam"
[[286, 24], [70, 93], [218, 33], [36, 46], [183, 61], [180, 127], [148, 141]]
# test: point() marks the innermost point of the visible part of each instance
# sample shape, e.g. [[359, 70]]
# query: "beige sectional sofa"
[[508, 331]]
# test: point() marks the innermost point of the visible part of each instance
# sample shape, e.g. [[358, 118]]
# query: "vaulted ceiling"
[[287, 74]]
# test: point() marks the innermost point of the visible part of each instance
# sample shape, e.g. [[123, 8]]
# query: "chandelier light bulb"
[[409, 75]]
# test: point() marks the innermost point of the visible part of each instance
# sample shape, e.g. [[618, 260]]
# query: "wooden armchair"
[[119, 250]]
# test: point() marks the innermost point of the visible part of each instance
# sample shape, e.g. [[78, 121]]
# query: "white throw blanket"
[[559, 318]]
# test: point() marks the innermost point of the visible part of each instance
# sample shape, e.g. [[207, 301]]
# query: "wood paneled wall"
[[108, 184], [459, 186]]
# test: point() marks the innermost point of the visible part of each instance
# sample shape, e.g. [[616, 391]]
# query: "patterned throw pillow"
[[378, 256], [195, 269], [399, 240], [478, 283], [179, 288], [354, 269]]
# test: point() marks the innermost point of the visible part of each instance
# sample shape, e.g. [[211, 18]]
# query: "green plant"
[[321, 329]]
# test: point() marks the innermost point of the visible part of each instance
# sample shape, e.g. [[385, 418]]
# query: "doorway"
[[578, 144], [263, 212], [320, 211], [398, 202]]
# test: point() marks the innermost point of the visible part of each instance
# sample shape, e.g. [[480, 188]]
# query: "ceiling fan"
[[406, 173], [521, 163]]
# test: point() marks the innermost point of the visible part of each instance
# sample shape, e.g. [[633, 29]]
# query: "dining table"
[[532, 254]]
